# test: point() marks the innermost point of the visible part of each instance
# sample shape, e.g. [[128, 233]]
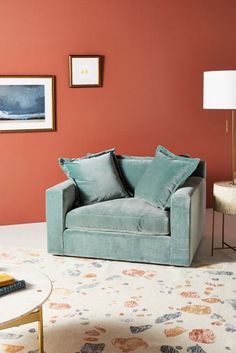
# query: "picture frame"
[[85, 71], [27, 103]]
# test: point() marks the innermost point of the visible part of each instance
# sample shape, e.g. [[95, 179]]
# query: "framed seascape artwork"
[[85, 70], [27, 103]]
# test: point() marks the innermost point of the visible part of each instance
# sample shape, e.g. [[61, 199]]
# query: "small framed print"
[[85, 70], [27, 103]]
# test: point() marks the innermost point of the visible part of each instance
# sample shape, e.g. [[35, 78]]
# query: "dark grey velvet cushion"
[[96, 177]]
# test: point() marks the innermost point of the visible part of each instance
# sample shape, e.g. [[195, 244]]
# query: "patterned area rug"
[[112, 307]]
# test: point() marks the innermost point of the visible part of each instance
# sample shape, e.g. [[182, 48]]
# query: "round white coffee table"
[[25, 305]]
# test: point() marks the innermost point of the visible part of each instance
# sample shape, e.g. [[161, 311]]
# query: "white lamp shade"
[[219, 89]]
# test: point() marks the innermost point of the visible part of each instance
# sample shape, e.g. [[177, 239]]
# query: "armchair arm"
[[59, 200], [187, 215]]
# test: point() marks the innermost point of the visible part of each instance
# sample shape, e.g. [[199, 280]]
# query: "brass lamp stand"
[[233, 147], [224, 193], [219, 92]]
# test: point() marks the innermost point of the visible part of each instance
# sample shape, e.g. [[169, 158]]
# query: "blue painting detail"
[[22, 102]]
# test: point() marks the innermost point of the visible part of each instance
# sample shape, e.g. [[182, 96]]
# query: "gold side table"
[[25, 306], [224, 193]]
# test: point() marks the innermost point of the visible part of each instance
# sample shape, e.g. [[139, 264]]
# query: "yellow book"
[[6, 280]]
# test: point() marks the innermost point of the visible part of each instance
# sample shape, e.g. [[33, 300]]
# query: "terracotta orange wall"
[[155, 53]]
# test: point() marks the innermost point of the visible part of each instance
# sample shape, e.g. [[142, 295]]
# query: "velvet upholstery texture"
[[163, 176], [132, 168], [59, 200], [122, 215], [95, 176], [117, 246], [185, 222]]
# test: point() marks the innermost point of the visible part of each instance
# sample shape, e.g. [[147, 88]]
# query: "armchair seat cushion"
[[130, 215]]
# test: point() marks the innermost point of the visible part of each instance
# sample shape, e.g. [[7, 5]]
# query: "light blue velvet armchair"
[[128, 229]]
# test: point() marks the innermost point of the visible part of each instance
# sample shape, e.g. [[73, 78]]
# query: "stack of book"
[[9, 284]]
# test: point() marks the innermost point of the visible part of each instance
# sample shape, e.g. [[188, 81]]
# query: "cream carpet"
[[113, 307]]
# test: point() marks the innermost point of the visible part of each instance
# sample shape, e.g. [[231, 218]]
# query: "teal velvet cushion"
[[132, 168], [96, 177], [163, 176], [121, 215]]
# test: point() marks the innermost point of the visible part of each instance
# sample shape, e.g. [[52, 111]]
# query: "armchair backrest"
[[133, 167]]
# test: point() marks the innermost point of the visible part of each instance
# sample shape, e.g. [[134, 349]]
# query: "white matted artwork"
[[85, 70], [27, 103]]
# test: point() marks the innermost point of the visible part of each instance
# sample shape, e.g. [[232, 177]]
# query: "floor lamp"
[[219, 92]]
